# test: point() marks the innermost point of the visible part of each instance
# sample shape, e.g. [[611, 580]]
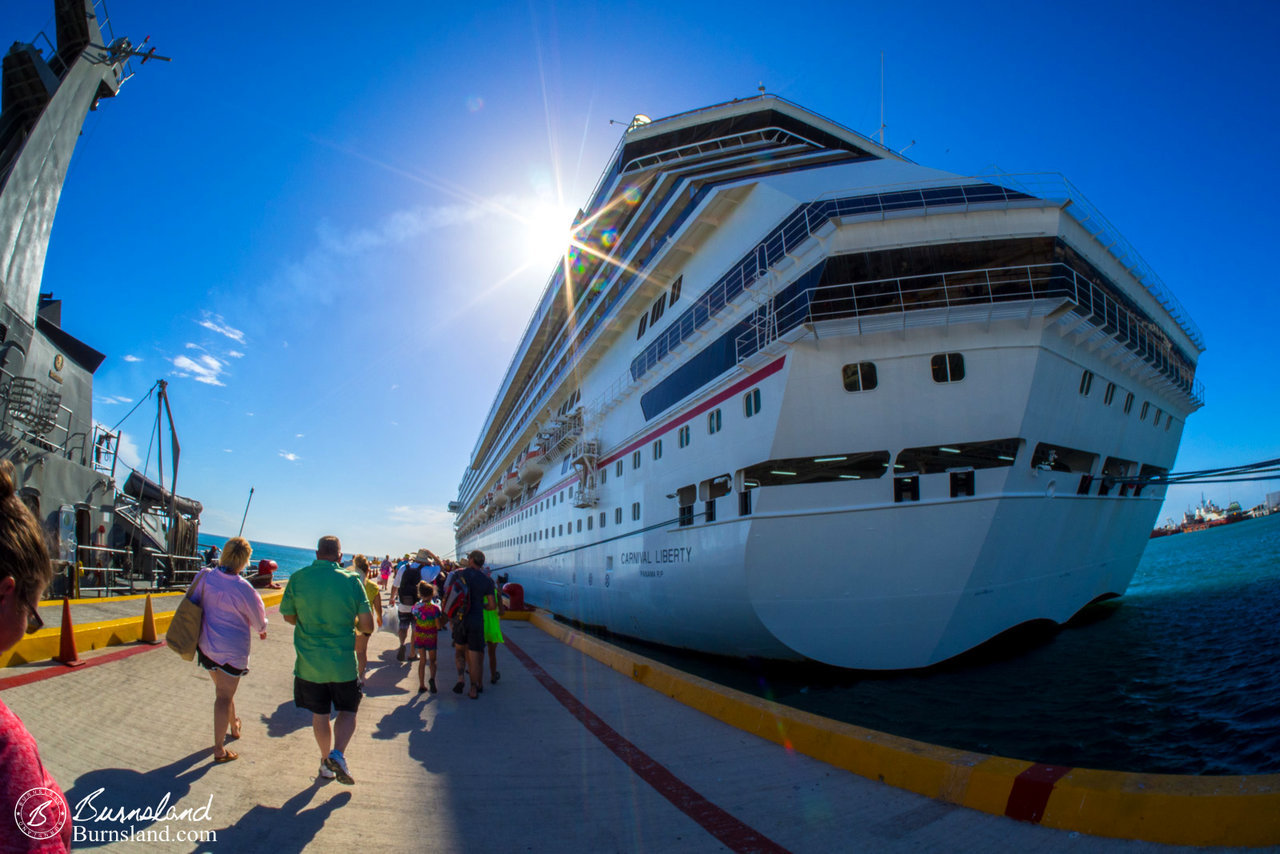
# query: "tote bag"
[[184, 629]]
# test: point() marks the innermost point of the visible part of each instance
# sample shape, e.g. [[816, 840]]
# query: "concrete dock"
[[564, 754]]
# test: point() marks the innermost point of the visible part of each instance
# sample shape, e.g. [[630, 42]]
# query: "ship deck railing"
[[967, 288]]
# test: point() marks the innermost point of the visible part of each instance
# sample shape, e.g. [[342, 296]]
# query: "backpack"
[[409, 584], [457, 596]]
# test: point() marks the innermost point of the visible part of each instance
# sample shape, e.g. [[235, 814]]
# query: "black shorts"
[[469, 634], [209, 664], [318, 697]]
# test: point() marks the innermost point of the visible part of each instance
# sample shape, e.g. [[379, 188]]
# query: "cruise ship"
[[791, 395]]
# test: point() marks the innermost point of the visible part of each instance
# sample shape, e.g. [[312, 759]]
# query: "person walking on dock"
[[404, 592], [469, 631], [232, 609], [326, 605]]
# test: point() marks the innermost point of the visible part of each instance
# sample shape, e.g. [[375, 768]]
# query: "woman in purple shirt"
[[232, 609]]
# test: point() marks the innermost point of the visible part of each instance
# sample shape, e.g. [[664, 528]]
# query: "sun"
[[546, 233]]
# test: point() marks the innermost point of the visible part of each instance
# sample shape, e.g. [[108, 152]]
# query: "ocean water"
[[287, 558], [1180, 675]]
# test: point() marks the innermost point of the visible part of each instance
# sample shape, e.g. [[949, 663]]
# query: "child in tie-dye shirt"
[[428, 620]]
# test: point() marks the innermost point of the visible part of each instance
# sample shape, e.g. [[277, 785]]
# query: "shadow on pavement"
[[99, 797], [285, 719], [285, 829]]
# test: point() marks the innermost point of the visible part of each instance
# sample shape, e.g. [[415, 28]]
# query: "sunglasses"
[[34, 623]]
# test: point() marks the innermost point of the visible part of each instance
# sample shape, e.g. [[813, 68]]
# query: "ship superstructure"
[[793, 395], [64, 463]]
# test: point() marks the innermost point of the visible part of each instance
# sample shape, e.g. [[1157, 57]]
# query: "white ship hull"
[[996, 469]]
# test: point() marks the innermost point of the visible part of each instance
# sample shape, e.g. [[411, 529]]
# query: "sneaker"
[[325, 773], [337, 763]]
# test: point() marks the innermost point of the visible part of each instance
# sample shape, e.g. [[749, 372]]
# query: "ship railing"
[[1055, 187], [969, 288], [34, 412]]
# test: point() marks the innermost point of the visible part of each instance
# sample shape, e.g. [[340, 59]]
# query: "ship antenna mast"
[[882, 99]]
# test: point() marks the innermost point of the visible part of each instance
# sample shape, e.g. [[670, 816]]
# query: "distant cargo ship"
[[792, 395]]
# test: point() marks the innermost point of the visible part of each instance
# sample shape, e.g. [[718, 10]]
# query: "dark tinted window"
[[859, 376]]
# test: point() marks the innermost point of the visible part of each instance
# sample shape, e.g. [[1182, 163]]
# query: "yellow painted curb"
[[44, 644], [1173, 809], [517, 615]]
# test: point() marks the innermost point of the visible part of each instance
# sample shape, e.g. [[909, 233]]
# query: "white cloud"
[[250, 414], [227, 451], [112, 400], [204, 369], [132, 358], [235, 354], [291, 457], [215, 323], [298, 435]]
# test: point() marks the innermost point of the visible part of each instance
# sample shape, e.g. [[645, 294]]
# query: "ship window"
[[1086, 383], [561, 529], [655, 314], [579, 526], [906, 489], [644, 324], [1111, 393], [935, 459], [617, 469], [604, 476], [1156, 423], [603, 517], [961, 483], [713, 421], [744, 503], [867, 465], [1142, 416], [1168, 422], [657, 449], [675, 290], [617, 515], [709, 511], [590, 521], [635, 512], [859, 376], [635, 459], [683, 436], [1128, 403], [1058, 458], [947, 367], [751, 402], [685, 498]]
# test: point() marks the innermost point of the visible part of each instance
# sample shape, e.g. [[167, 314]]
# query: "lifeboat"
[[511, 486], [530, 467], [501, 499]]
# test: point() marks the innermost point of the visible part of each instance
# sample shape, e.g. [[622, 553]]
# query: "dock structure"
[[564, 753]]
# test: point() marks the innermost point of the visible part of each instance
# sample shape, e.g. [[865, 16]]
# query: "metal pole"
[[246, 511]]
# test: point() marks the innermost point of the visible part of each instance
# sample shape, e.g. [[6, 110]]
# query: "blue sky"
[[327, 229]]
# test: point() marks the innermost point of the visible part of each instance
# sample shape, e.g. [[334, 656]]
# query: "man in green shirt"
[[325, 604]]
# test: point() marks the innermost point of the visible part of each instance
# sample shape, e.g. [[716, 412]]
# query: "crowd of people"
[[334, 610]]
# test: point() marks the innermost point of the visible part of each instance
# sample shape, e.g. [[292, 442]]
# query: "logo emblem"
[[57, 361], [40, 813]]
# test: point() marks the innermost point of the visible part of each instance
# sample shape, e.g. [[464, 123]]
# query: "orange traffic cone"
[[149, 624], [67, 642]]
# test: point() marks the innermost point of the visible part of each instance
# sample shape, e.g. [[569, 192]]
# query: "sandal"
[[457, 689], [493, 680], [227, 756], [475, 695], [235, 730]]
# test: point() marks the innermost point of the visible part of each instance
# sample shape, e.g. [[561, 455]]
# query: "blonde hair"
[[361, 563], [236, 553], [23, 552]]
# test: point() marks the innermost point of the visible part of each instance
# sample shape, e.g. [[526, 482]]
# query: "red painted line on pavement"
[[57, 669], [728, 830], [1031, 789]]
